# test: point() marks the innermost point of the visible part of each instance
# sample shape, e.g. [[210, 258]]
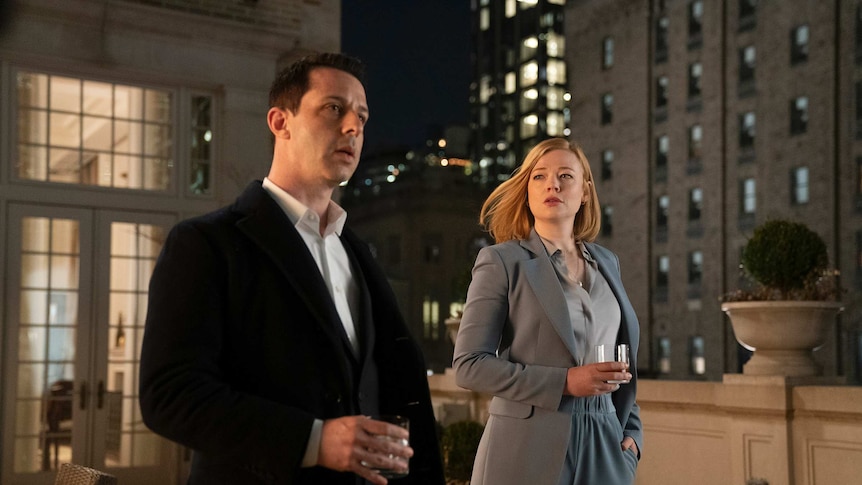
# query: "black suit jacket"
[[244, 348]]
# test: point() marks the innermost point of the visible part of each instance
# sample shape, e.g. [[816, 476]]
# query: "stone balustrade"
[[787, 431]]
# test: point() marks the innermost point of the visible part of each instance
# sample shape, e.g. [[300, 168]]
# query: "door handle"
[[83, 395]]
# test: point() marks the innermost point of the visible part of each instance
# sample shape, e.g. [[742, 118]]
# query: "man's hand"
[[347, 442], [629, 442]]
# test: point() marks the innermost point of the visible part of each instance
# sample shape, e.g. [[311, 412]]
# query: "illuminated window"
[[661, 214], [748, 197], [695, 267], [484, 18], [747, 61], [511, 8], [662, 148], [79, 131], [511, 81], [484, 89], [799, 188], [556, 72], [529, 74], [697, 353], [528, 48], [529, 100], [555, 44], [556, 98], [695, 23], [799, 44], [607, 52], [529, 126], [662, 271], [556, 124], [663, 355]]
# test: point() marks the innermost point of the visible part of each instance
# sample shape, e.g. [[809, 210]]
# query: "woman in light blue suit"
[[540, 300]]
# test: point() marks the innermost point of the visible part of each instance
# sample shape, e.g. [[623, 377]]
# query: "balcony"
[[794, 431]]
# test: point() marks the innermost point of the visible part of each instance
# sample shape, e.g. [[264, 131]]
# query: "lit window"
[[607, 52], [484, 19], [511, 8], [799, 191], [78, 131], [484, 89], [529, 126], [556, 71], [555, 44], [662, 150], [748, 202], [556, 123], [799, 115], [529, 74], [663, 355], [698, 355], [663, 273], [528, 48], [799, 44], [556, 98], [511, 81]]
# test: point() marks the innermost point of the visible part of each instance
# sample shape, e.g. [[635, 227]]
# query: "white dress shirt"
[[334, 265]]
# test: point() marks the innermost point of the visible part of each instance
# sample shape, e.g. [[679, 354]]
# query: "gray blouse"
[[593, 309]]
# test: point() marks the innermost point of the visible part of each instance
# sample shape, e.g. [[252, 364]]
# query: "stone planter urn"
[[782, 334]]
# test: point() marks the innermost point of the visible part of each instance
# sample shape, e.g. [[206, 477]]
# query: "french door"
[[77, 293]]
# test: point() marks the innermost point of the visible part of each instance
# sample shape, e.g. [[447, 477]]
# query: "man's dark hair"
[[292, 82]]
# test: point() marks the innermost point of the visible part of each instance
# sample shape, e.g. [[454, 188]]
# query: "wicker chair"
[[70, 474]]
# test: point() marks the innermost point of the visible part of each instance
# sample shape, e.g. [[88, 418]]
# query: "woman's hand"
[[591, 379], [629, 442]]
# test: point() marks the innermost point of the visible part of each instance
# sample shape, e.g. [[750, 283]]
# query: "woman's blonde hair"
[[505, 214]]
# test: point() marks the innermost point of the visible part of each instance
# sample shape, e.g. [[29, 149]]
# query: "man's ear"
[[277, 120]]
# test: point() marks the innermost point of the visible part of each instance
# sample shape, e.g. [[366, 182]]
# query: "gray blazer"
[[516, 343]]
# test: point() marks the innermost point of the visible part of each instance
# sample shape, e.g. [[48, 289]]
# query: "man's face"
[[328, 128]]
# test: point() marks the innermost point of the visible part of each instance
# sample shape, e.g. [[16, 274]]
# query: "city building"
[[701, 120], [118, 119], [519, 93]]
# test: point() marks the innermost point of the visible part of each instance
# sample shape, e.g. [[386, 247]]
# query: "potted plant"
[[786, 314]]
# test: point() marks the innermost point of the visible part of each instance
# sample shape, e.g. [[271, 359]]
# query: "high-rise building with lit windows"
[[703, 119], [519, 94]]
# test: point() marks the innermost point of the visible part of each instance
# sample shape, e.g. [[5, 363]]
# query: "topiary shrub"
[[460, 442], [788, 261]]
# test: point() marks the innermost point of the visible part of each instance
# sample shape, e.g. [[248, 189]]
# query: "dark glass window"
[[661, 212], [661, 31], [799, 115], [747, 125], [662, 147], [859, 110], [663, 355], [607, 220], [607, 108], [607, 164], [695, 204], [695, 24], [661, 84], [799, 44], [695, 267], [697, 351], [695, 142], [859, 36], [747, 60], [747, 14], [695, 72]]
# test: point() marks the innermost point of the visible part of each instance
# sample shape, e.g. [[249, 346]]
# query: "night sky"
[[417, 55]]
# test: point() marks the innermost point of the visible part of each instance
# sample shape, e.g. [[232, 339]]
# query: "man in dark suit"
[[272, 335]]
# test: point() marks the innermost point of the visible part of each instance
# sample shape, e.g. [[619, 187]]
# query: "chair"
[[57, 408], [71, 474]]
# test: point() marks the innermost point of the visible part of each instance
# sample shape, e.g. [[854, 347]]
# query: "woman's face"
[[556, 188]]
